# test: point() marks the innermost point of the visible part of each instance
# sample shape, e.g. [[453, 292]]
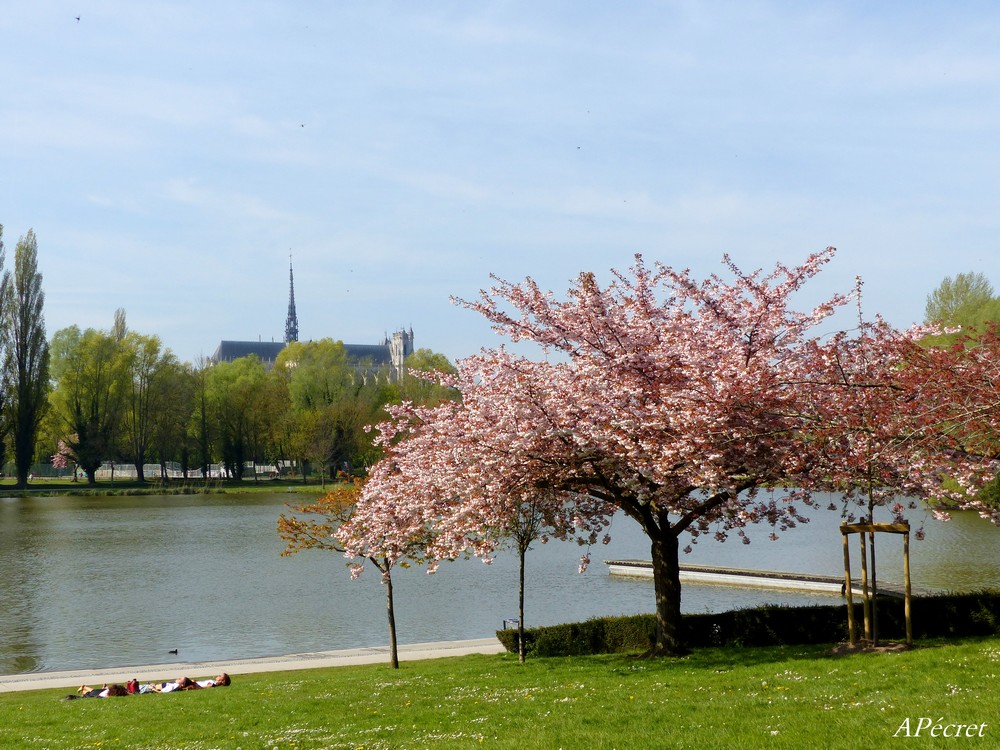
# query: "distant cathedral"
[[390, 354]]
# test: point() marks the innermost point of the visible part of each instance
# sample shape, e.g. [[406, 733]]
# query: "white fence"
[[174, 471]]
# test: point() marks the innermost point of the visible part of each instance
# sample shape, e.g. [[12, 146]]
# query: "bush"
[[595, 636], [937, 616]]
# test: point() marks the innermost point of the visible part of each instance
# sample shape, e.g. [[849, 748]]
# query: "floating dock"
[[764, 579]]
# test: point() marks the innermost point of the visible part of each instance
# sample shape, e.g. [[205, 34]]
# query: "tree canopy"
[[966, 301]]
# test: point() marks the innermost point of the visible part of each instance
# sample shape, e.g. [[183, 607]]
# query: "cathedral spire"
[[291, 322]]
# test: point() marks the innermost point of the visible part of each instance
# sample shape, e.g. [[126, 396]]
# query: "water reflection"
[[90, 582], [17, 590]]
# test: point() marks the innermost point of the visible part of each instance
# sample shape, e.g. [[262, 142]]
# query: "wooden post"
[[852, 627], [906, 587], [861, 529], [865, 596]]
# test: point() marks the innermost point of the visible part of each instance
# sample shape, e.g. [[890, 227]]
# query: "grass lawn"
[[786, 697]]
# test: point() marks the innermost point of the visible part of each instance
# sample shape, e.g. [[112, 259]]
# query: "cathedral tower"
[[292, 321]]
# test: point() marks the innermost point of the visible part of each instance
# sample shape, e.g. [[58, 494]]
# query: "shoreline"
[[159, 672]]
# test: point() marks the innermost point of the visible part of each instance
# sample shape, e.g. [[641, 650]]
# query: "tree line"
[[119, 395]]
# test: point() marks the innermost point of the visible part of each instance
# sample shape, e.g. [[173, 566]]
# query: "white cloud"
[[223, 203]]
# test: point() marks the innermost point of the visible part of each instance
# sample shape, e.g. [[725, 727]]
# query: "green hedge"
[[937, 616]]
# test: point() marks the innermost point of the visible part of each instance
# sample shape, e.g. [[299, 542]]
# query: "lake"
[[90, 582]]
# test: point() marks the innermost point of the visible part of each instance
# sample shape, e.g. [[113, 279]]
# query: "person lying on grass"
[[185, 683], [108, 691]]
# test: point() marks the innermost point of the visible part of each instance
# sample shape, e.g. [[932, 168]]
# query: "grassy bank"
[[784, 697]]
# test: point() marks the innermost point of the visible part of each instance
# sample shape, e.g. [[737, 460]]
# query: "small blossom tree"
[[886, 427], [64, 456], [315, 526]]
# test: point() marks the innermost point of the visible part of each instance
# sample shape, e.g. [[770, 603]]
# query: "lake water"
[[90, 582]]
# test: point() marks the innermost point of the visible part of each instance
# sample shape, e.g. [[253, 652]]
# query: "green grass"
[[783, 697]]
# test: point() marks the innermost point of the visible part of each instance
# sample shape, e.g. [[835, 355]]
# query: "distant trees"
[[120, 395], [967, 301], [92, 396], [331, 401], [25, 352], [151, 375], [90, 369], [235, 391]]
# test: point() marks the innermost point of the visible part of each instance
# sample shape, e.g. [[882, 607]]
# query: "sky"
[[172, 157]]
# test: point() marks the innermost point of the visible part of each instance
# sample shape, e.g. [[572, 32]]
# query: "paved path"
[[161, 672]]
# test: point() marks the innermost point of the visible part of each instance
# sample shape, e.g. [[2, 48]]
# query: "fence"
[[126, 472]]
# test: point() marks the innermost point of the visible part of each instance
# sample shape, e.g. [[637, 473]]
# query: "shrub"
[[936, 616]]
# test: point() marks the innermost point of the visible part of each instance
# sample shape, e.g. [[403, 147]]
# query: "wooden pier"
[[764, 579]]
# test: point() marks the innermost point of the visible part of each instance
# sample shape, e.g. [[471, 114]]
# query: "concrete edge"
[[162, 672]]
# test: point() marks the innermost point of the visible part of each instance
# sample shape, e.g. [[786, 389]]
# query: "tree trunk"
[[667, 586], [390, 612], [522, 549], [874, 579], [23, 455], [140, 473]]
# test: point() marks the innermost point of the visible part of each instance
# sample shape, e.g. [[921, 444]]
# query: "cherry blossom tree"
[[64, 456], [314, 526], [671, 400], [898, 418], [887, 427]]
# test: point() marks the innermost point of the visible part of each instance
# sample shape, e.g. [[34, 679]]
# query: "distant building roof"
[[266, 351], [367, 356], [375, 354]]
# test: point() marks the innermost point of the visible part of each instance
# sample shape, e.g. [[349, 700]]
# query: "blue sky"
[[170, 155]]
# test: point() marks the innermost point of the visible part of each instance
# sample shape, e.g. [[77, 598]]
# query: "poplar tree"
[[25, 352]]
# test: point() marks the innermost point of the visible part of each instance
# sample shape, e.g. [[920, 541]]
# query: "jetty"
[[764, 579]]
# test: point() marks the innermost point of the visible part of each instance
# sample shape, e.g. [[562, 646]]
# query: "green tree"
[[318, 373], [266, 417], [967, 300], [90, 381], [26, 352], [148, 373], [424, 391], [322, 386], [170, 439], [237, 395], [201, 425]]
